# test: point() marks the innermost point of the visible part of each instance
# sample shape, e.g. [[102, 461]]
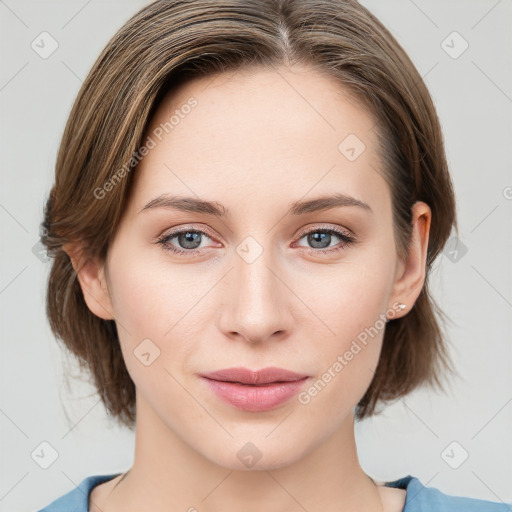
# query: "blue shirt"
[[418, 498]]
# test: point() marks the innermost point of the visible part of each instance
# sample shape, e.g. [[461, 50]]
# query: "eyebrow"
[[192, 204]]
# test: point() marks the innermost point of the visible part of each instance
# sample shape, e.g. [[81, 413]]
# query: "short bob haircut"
[[172, 41]]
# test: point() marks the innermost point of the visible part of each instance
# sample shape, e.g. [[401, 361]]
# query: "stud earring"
[[401, 306]]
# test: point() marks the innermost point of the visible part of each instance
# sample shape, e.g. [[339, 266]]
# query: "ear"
[[411, 273], [91, 276]]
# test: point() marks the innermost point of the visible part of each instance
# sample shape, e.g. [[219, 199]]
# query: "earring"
[[401, 306]]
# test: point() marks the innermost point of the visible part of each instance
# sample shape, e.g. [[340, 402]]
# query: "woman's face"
[[261, 285]]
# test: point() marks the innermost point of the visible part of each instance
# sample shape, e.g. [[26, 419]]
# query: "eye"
[[189, 239], [320, 239]]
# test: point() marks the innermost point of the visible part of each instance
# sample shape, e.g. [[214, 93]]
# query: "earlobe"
[[91, 276], [411, 272]]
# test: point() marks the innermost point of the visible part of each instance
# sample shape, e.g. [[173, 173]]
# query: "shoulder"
[[422, 499], [77, 499]]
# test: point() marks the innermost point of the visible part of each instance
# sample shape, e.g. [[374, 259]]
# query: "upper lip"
[[246, 376]]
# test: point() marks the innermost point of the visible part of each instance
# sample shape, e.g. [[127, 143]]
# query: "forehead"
[[260, 132]]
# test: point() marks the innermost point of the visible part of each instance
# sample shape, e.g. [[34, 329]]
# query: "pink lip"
[[255, 390]]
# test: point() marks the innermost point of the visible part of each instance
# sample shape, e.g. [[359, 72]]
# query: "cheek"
[[346, 363], [352, 296], [150, 298], [159, 307], [152, 308], [353, 312]]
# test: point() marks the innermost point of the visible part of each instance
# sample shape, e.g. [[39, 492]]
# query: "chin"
[[257, 455]]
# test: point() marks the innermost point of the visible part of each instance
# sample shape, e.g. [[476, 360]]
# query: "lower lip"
[[255, 398]]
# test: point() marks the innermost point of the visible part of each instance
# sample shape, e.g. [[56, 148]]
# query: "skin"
[[256, 141]]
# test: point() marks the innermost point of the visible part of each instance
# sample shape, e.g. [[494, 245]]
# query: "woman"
[[249, 197]]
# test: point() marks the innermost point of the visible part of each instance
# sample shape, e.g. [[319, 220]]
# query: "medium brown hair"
[[172, 41]]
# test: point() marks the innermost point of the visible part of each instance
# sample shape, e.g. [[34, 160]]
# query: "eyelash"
[[347, 241]]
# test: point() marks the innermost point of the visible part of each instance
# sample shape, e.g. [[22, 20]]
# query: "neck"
[[167, 474]]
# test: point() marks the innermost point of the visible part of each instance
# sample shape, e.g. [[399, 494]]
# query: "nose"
[[256, 302]]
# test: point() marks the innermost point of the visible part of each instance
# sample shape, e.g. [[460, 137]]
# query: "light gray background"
[[473, 95]]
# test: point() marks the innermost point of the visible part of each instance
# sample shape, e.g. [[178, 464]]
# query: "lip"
[[255, 377], [255, 391]]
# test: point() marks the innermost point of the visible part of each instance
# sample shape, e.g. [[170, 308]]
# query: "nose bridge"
[[255, 307]]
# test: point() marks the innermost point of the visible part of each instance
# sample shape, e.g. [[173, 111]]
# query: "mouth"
[[255, 391], [270, 375]]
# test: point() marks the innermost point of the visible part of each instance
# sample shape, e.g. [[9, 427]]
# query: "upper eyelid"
[[327, 227], [178, 230]]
